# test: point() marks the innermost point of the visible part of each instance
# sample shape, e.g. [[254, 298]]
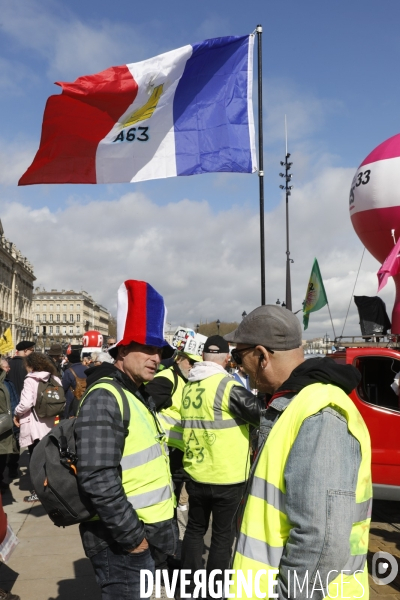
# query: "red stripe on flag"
[[136, 322], [75, 122]]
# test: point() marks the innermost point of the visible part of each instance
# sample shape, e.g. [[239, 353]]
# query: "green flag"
[[316, 295]]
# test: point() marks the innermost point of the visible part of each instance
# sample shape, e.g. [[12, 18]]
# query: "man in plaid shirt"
[[119, 543]]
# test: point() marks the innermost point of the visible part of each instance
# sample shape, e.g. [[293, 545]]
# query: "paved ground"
[[49, 563], [385, 536]]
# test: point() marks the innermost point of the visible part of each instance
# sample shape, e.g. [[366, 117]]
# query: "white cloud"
[[15, 77], [213, 26], [70, 46], [15, 157], [206, 265], [306, 113]]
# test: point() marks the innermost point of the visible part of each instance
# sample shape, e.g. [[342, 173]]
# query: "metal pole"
[[261, 162]]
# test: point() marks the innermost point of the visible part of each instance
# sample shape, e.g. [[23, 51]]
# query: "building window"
[[37, 306], [78, 306], [78, 318], [64, 318], [64, 307], [44, 318], [71, 331], [57, 307], [64, 330], [38, 318], [51, 318], [71, 307], [51, 306], [57, 329], [51, 330], [44, 306], [37, 329], [78, 330], [58, 318], [71, 318]]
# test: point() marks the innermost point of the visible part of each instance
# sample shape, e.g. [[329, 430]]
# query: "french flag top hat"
[[141, 316]]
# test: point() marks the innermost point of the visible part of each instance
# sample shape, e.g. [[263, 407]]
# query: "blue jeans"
[[118, 572]]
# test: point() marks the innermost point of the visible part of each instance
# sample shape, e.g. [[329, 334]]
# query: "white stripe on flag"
[[250, 103], [141, 158]]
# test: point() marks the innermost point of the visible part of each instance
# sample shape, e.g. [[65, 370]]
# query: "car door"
[[379, 406]]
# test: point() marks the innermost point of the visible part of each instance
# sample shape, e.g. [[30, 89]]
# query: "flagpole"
[[334, 333], [261, 163]]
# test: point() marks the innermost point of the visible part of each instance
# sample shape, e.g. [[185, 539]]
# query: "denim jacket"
[[325, 458]]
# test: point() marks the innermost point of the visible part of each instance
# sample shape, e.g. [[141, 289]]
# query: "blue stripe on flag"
[[211, 109]]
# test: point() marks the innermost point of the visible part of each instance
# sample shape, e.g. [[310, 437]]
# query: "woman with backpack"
[[41, 386]]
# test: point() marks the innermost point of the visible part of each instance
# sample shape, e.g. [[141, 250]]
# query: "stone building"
[[64, 316], [16, 289]]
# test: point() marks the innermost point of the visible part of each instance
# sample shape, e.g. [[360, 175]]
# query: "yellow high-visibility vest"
[[146, 476], [265, 528], [216, 443], [170, 417]]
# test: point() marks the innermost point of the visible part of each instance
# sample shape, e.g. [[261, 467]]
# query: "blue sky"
[[330, 67]]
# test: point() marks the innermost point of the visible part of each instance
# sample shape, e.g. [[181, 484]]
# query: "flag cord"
[[352, 294], [334, 334]]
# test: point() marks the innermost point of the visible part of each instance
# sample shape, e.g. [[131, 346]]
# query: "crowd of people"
[[276, 453]]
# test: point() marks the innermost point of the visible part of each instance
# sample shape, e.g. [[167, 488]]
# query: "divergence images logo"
[[384, 568]]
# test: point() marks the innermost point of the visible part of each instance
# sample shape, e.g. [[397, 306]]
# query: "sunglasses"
[[237, 357]]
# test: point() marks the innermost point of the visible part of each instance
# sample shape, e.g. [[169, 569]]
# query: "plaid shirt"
[[100, 443]]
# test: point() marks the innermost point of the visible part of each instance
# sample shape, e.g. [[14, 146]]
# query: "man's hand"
[[16, 421], [144, 544]]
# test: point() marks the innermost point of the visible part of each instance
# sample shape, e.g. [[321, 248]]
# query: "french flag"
[[186, 112]]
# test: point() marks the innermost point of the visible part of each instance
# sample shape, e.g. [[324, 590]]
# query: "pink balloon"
[[375, 206]]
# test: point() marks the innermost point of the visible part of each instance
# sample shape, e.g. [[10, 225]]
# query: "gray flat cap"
[[271, 326]]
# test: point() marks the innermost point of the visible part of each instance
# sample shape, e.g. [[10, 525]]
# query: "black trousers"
[[3, 463], [179, 476], [222, 502], [13, 459]]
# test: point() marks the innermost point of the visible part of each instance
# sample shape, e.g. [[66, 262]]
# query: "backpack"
[[50, 399], [80, 387], [53, 468]]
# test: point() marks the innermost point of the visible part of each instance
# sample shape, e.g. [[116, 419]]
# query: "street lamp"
[[326, 340], [35, 337], [278, 301], [244, 314], [44, 335], [197, 328], [23, 333], [218, 324], [287, 177]]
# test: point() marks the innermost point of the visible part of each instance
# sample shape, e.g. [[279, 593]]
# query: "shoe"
[[182, 507], [32, 498], [4, 487], [8, 596]]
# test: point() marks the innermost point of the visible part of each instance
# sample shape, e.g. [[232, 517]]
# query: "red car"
[[379, 406]]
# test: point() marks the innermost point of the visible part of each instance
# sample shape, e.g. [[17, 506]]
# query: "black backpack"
[[50, 399], [54, 465]]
